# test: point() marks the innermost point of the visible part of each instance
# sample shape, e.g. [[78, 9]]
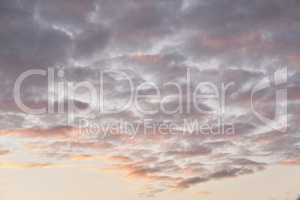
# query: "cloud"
[[56, 132], [12, 165], [290, 162], [4, 152], [190, 181], [231, 41], [83, 157]]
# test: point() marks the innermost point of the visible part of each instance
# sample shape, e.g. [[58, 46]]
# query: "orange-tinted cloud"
[[14, 165]]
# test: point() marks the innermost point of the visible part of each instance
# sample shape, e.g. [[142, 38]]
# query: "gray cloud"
[[226, 41]]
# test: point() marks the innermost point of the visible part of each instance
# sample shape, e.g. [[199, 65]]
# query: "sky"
[[149, 99]]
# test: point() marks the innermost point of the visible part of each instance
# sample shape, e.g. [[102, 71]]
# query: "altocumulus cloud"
[[234, 41]]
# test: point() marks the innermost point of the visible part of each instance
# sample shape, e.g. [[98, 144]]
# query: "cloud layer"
[[228, 41]]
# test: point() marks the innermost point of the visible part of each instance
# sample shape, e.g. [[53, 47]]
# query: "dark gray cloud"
[[90, 42], [72, 15]]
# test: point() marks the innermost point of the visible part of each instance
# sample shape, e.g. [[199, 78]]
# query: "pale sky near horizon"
[[76, 183], [149, 99]]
